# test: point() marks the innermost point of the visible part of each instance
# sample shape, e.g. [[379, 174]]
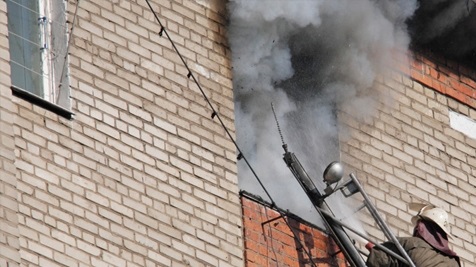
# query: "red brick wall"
[[446, 77], [270, 242]]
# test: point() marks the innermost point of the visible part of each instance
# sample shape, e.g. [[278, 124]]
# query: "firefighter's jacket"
[[421, 253]]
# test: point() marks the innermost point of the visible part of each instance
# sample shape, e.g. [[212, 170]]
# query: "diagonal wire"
[[215, 114]]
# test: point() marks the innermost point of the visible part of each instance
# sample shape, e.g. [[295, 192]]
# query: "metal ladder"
[[337, 229]]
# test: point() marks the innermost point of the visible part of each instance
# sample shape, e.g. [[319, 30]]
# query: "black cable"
[[215, 114]]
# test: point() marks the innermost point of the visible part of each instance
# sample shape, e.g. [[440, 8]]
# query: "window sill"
[[36, 100]]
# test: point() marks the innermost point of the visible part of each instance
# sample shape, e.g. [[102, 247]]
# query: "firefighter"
[[428, 247]]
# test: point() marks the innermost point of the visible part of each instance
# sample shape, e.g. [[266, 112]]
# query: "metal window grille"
[[37, 33]]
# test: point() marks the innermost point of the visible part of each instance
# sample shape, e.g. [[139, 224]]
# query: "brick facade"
[[142, 176], [408, 151], [9, 232], [270, 241], [449, 78], [145, 176]]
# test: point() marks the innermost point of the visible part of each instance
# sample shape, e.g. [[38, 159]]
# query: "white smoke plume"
[[306, 57]]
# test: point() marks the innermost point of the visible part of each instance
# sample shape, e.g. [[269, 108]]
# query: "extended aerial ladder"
[[336, 228]]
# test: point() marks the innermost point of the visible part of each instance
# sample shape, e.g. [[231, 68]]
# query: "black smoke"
[[446, 28]]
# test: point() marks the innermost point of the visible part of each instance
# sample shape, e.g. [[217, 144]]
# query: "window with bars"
[[37, 34]]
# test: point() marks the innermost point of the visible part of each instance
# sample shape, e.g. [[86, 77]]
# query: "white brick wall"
[[9, 230], [142, 176], [409, 152]]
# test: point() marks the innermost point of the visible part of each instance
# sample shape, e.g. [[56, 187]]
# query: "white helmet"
[[434, 214]]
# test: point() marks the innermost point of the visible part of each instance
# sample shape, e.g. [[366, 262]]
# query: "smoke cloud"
[[446, 27], [307, 58]]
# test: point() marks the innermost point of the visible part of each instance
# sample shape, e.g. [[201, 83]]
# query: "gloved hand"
[[369, 246]]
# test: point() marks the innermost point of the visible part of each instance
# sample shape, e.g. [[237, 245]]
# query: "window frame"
[[54, 92]]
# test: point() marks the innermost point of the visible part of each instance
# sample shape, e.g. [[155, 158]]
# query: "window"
[[37, 34]]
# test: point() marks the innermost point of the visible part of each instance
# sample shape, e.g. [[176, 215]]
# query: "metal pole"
[[385, 249], [381, 222], [336, 231], [344, 242]]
